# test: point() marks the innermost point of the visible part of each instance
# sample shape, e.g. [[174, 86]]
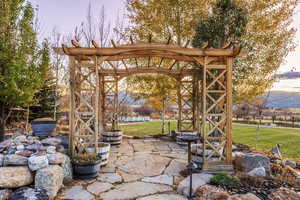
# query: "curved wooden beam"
[[169, 39], [204, 46], [226, 45], [187, 43], [236, 50], [151, 50], [94, 43], [150, 38], [75, 43], [113, 43], [65, 49]]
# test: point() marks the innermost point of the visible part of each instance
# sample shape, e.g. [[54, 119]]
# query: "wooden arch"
[[204, 92]]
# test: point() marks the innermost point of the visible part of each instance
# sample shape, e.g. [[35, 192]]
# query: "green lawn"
[[268, 137]]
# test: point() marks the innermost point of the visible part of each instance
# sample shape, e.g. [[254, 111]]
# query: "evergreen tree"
[[227, 23], [21, 68], [45, 98]]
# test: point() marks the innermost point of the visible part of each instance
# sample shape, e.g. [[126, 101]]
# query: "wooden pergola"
[[204, 96]]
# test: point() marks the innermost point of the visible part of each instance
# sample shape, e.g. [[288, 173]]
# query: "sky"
[[65, 15]]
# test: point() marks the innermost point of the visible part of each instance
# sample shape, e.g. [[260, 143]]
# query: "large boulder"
[[14, 177], [198, 180], [290, 163], [1, 160], [25, 153], [250, 161], [15, 160], [206, 192], [51, 141], [56, 158], [5, 145], [27, 193], [284, 194], [5, 194], [38, 162], [49, 179], [20, 139], [67, 169], [36, 147], [51, 150], [248, 196], [260, 171]]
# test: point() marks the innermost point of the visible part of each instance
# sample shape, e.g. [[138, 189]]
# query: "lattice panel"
[[215, 118], [186, 104], [110, 102], [83, 83]]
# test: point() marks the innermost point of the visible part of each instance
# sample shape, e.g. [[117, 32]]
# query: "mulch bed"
[[261, 187]]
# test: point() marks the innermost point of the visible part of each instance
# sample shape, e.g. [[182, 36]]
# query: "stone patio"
[[139, 169]]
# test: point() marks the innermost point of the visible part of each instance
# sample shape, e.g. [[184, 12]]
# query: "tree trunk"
[[163, 117]]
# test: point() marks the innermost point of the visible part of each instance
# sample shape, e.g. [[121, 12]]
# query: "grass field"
[[268, 137]]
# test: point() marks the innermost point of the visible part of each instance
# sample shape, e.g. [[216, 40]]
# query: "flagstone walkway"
[[139, 169]]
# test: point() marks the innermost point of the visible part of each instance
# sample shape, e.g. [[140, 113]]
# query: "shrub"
[[223, 179], [86, 158]]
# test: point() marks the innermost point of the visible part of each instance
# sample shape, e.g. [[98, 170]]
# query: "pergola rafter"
[[204, 94]]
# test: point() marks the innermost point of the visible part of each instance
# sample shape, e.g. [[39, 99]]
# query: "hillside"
[[281, 99], [289, 75]]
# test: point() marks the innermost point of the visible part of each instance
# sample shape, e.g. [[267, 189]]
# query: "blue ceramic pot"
[[43, 128]]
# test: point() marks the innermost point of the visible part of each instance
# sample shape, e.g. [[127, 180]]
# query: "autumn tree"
[[21, 70], [268, 38], [157, 89]]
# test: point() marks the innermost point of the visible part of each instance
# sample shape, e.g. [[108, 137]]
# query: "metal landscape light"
[[191, 167]]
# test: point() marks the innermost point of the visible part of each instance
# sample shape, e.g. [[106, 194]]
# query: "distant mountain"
[[276, 99], [289, 75], [281, 99], [128, 99]]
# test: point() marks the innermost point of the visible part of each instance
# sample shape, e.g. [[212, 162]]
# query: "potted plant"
[[43, 127], [86, 165]]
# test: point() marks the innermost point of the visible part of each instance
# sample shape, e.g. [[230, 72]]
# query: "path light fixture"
[[191, 167]]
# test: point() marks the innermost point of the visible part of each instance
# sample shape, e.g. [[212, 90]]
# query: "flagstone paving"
[[139, 169]]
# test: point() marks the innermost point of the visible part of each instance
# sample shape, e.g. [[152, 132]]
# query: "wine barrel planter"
[[43, 128], [181, 133], [103, 152], [85, 171], [113, 137], [104, 149]]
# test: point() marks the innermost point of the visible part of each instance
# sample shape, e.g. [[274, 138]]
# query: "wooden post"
[[116, 103], [203, 123], [101, 102], [72, 105], [229, 110], [196, 102], [179, 103], [96, 105]]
